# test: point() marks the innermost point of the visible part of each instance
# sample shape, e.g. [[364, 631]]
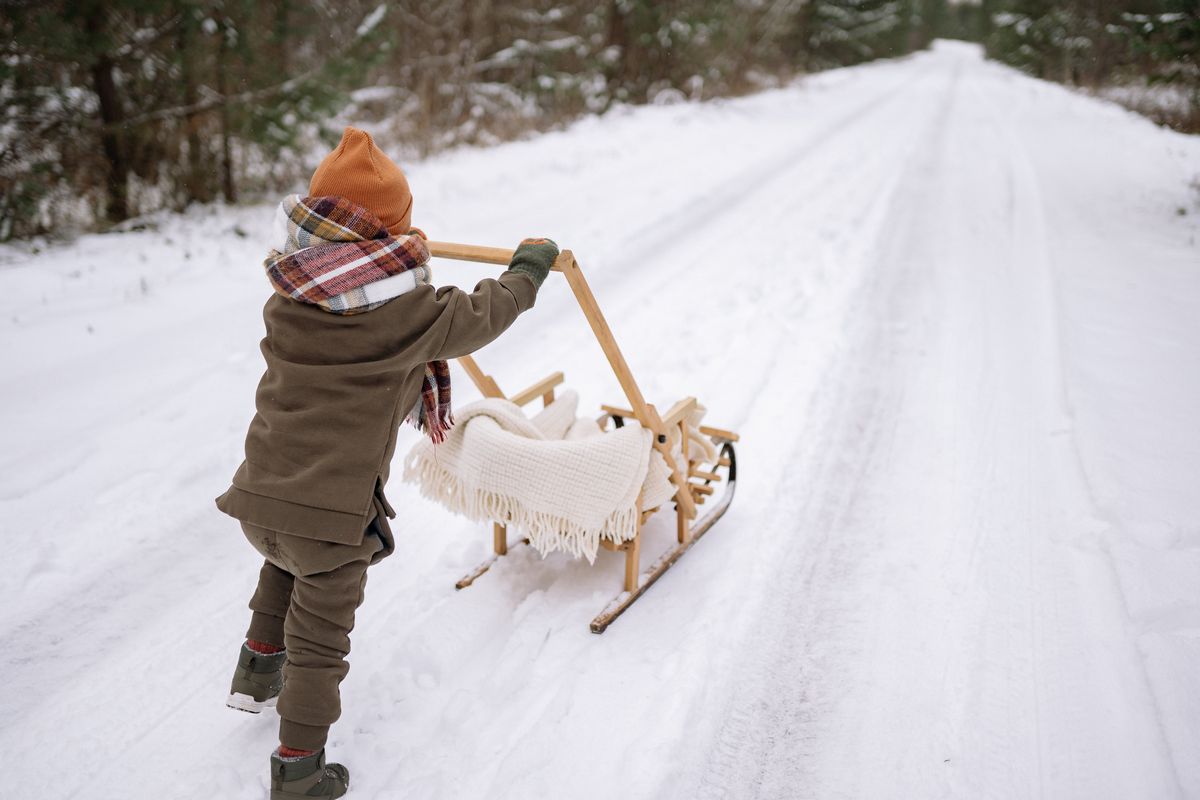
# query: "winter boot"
[[257, 681], [307, 777]]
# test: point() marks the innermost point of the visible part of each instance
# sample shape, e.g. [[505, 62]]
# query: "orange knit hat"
[[359, 171]]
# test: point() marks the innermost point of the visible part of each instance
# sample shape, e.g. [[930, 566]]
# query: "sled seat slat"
[[614, 547], [678, 412], [543, 389], [617, 411], [719, 433]]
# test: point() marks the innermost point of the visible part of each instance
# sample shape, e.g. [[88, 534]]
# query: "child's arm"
[[472, 320]]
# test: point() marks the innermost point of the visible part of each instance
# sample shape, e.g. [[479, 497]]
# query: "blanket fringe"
[[547, 532]]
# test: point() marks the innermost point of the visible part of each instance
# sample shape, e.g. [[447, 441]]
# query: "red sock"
[[292, 752], [263, 648]]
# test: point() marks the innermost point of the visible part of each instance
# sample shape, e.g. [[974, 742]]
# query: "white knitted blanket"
[[560, 480]]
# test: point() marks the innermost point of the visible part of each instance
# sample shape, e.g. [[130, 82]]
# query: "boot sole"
[[279, 794], [244, 702]]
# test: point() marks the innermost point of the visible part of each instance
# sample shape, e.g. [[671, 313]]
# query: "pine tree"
[[112, 106], [117, 108], [838, 32], [1169, 37]]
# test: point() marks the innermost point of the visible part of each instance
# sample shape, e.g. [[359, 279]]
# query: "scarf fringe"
[[547, 532], [435, 425]]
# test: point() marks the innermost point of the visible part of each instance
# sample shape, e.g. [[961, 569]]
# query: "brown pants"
[[307, 594]]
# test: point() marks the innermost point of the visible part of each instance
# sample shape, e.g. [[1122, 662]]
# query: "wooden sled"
[[692, 490]]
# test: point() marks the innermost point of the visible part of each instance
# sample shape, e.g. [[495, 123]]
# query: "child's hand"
[[534, 257]]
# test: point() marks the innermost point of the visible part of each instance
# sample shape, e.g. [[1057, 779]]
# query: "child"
[[356, 343]]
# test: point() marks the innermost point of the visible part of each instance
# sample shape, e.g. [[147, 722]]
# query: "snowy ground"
[[953, 312]]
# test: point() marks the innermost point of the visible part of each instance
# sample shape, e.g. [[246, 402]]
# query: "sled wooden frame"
[[691, 490]]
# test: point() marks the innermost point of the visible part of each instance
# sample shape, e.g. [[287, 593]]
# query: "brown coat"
[[337, 388]]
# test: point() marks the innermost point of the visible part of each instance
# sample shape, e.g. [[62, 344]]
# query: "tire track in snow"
[[982, 685], [746, 188], [1063, 717], [772, 721]]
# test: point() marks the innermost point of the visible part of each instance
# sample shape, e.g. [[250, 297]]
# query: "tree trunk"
[[227, 186], [617, 37], [280, 38], [986, 9], [111, 115], [197, 187], [805, 22]]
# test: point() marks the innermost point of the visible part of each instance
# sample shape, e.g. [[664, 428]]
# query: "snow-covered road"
[[954, 314]]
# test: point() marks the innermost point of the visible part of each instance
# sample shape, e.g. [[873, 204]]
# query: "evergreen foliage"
[[850, 31], [119, 107], [1104, 45], [1169, 38], [114, 109]]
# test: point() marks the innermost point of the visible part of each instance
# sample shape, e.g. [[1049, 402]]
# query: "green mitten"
[[534, 257]]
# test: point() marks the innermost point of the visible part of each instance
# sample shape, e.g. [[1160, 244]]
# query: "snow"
[[372, 20], [1170, 104], [952, 312]]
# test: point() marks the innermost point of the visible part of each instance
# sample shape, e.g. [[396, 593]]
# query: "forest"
[[114, 110]]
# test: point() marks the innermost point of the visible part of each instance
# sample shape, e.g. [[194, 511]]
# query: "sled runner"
[[695, 471]]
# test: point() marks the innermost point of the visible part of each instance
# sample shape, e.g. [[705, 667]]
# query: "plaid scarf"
[[338, 256]]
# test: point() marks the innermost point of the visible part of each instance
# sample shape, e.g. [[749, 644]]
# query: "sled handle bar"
[[486, 255]]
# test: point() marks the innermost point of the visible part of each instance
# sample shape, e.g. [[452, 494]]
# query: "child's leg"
[[317, 637], [270, 605], [259, 675]]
